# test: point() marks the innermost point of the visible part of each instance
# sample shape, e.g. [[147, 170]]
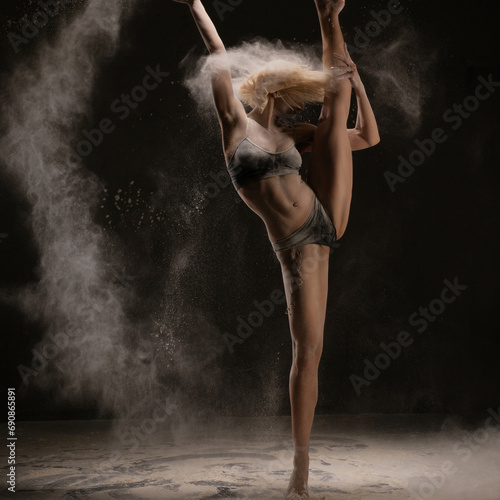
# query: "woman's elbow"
[[372, 139]]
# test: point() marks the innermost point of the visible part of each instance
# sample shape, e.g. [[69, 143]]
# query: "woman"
[[303, 220]]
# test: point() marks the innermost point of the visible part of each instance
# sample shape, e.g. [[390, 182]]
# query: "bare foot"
[[330, 5], [297, 488]]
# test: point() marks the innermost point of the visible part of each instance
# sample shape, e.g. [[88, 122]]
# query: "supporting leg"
[[305, 273]]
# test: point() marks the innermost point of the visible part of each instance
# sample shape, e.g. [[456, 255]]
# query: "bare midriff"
[[283, 202]]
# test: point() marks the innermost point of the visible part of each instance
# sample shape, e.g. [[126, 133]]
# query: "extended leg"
[[330, 169], [305, 273]]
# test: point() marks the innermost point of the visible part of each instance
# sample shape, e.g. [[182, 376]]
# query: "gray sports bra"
[[253, 163]]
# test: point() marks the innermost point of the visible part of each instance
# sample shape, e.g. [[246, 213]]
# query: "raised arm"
[[365, 133], [228, 106]]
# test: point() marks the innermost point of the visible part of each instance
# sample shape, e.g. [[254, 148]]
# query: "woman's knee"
[[307, 357], [340, 218], [336, 106], [340, 229], [332, 115]]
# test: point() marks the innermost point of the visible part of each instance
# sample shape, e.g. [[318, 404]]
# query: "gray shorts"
[[318, 229]]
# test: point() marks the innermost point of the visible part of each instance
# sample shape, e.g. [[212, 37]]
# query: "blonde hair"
[[294, 83]]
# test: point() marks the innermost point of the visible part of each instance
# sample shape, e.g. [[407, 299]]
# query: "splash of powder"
[[396, 73], [243, 60], [77, 297]]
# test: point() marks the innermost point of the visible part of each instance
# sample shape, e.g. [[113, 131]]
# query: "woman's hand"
[[356, 82], [340, 72], [188, 2]]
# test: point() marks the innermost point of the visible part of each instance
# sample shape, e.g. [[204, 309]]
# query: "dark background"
[[441, 223]]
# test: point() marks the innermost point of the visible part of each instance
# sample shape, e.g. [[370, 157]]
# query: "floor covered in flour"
[[352, 457]]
